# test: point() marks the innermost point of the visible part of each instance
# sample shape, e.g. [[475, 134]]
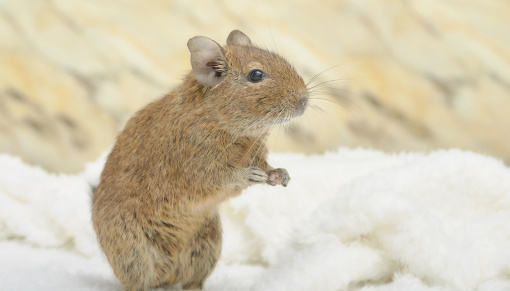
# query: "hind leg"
[[198, 259], [134, 269], [131, 259]]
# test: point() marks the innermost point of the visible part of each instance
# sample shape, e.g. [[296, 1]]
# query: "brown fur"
[[155, 210]]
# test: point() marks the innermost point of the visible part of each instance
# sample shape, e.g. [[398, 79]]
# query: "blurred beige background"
[[411, 75]]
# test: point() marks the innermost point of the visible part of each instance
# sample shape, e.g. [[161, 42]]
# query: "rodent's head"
[[249, 87]]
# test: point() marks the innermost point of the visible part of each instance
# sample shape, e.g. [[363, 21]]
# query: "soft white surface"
[[350, 220]]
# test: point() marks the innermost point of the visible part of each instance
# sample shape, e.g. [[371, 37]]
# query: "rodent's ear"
[[207, 61], [236, 37]]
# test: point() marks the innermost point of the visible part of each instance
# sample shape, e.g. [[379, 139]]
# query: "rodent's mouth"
[[290, 116], [298, 110]]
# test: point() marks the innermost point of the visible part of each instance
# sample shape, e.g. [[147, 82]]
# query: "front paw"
[[278, 176], [256, 175]]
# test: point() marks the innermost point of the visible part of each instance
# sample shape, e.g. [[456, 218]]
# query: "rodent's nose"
[[302, 102]]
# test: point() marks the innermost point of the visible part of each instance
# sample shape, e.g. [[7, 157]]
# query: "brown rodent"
[[155, 211]]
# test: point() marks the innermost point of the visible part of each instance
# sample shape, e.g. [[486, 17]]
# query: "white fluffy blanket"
[[349, 220]]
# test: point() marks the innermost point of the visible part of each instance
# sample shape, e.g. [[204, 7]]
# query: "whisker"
[[342, 98], [328, 82], [272, 37], [289, 124], [278, 134], [256, 153], [315, 130], [344, 104], [320, 73], [331, 90], [315, 108], [241, 134], [321, 122], [260, 135]]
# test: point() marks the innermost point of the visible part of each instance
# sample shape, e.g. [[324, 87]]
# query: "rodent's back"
[[175, 146]]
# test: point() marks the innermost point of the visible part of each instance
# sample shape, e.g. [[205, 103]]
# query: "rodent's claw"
[[278, 176], [257, 175]]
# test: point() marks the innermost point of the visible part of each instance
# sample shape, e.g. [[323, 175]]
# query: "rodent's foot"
[[278, 176], [256, 175]]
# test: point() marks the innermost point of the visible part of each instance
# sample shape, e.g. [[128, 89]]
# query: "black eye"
[[256, 76]]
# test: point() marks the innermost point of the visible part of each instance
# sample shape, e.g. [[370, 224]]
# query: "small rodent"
[[155, 211]]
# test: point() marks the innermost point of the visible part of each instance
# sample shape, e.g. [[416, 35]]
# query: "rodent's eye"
[[256, 76]]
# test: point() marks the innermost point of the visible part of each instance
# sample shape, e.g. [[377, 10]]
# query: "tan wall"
[[412, 75]]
